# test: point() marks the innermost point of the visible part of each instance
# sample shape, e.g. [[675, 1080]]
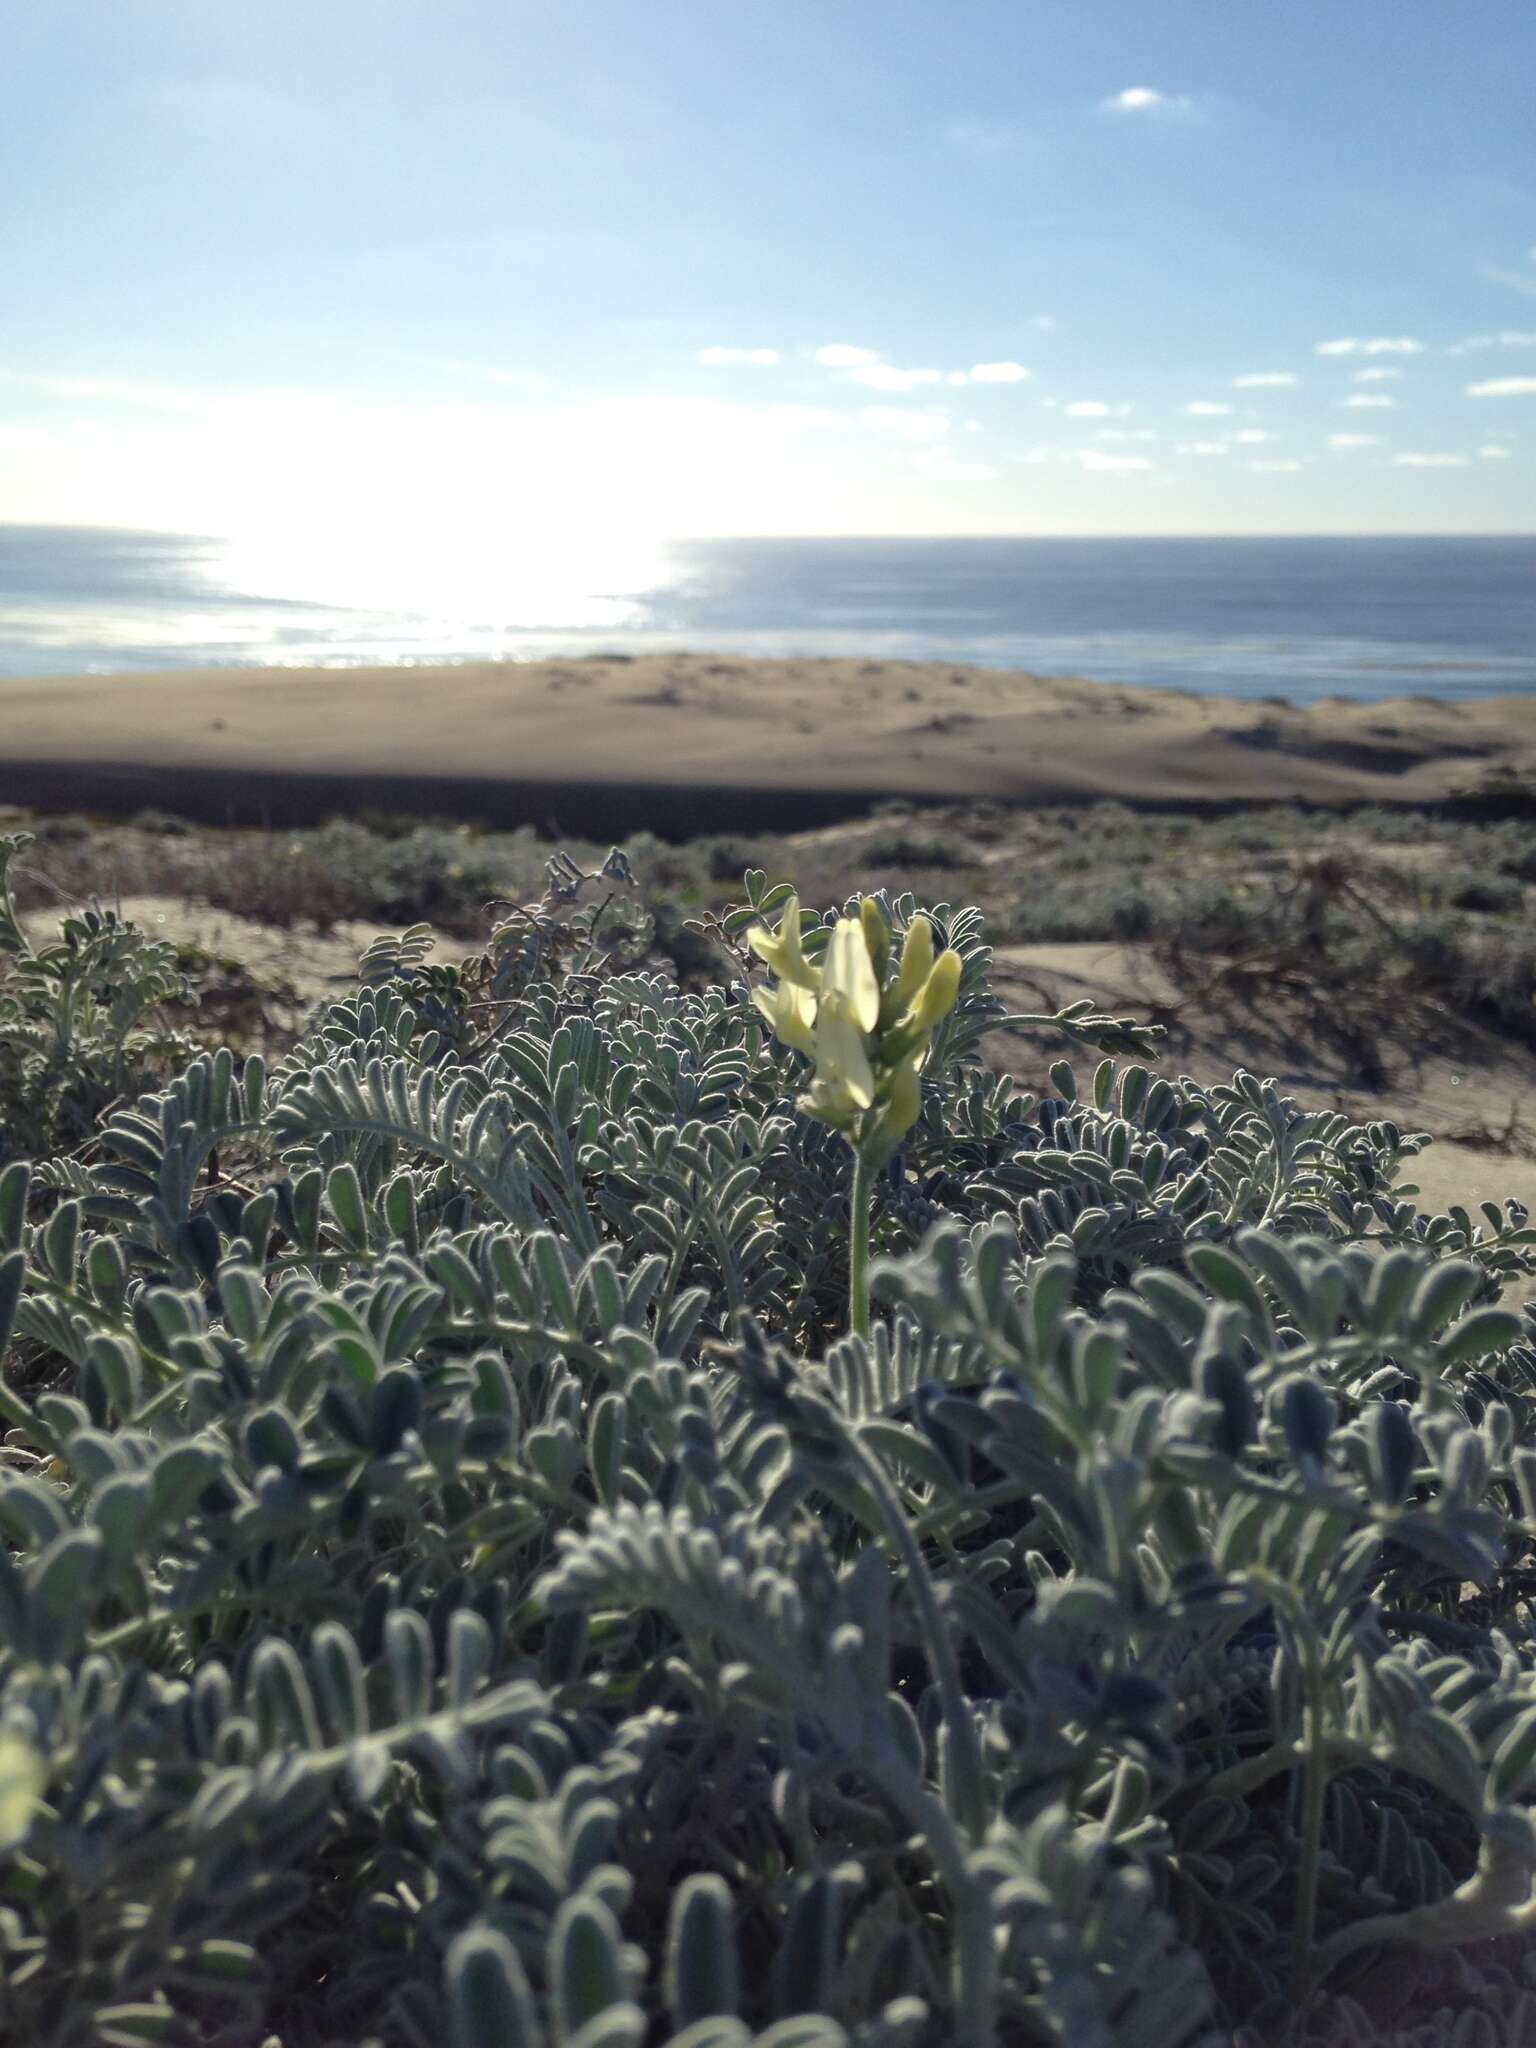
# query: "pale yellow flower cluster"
[[23, 1779], [868, 1035]]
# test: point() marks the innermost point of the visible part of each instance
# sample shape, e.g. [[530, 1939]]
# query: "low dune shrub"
[[486, 1562], [1489, 891]]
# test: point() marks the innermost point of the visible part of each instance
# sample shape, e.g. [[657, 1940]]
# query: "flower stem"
[[1314, 1793], [858, 1244]]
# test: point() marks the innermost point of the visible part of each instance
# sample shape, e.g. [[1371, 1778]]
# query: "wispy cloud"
[[1207, 408], [1201, 448], [1043, 322], [905, 424], [1354, 440], [887, 377], [1096, 460], [1413, 459], [1088, 409], [980, 140], [1259, 380], [1250, 437], [125, 391], [485, 373], [1506, 337], [717, 357], [1147, 100], [1492, 451], [1376, 345], [1516, 280], [994, 373], [1503, 387], [1369, 401], [843, 355], [1276, 466], [945, 468], [1377, 374]]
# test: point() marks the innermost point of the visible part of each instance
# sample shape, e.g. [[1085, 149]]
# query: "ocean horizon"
[[1360, 617]]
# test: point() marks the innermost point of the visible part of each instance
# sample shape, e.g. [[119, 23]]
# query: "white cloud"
[[1515, 279], [1145, 99], [1354, 440], [1095, 459], [126, 391], [906, 424], [886, 377], [1284, 465], [1492, 452], [1043, 322], [1370, 401], [488, 373], [1506, 337], [1251, 436], [1206, 408], [1089, 409], [1503, 387], [1378, 345], [996, 373], [982, 141], [948, 469], [1379, 374], [717, 356], [1201, 448], [1411, 459], [842, 355], [1258, 380]]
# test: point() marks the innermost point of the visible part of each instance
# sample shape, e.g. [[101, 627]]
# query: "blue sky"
[[631, 268]]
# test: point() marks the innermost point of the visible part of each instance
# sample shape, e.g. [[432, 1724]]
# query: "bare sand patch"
[[686, 743]]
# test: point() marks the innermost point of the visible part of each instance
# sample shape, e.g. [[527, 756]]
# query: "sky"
[[499, 275]]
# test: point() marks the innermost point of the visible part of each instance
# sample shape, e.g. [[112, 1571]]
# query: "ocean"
[[1300, 619]]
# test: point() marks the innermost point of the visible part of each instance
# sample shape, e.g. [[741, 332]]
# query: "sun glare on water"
[[478, 580]]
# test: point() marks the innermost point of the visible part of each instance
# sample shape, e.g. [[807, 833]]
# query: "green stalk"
[[858, 1244], [973, 1968], [964, 1748], [1314, 1792]]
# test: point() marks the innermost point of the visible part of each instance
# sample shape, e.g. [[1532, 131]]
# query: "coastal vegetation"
[[617, 1483]]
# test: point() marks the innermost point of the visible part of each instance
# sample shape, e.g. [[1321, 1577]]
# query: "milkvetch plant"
[[462, 1584], [866, 1028]]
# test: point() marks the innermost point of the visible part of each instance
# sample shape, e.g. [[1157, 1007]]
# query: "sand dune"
[[691, 742]]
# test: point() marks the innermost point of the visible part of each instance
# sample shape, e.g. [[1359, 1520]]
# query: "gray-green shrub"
[[461, 1578]]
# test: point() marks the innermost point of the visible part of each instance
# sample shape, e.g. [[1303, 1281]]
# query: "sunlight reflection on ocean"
[[1364, 618]]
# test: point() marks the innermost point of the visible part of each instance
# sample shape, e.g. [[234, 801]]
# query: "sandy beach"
[[686, 743]]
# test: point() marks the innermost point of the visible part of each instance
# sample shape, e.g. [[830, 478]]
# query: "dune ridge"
[[693, 742]]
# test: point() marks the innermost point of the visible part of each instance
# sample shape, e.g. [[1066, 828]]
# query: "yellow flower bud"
[[848, 975], [877, 935], [791, 1014], [936, 998], [23, 1780], [916, 961], [842, 1059], [900, 1110], [780, 951]]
